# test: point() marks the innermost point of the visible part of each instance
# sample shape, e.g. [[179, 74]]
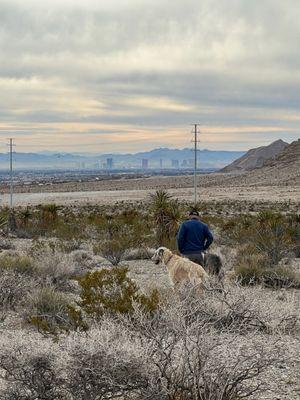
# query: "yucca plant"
[[3, 222], [166, 216]]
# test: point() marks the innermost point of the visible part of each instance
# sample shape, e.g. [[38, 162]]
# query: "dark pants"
[[196, 258]]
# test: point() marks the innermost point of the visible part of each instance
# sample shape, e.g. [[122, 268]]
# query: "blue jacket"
[[193, 237]]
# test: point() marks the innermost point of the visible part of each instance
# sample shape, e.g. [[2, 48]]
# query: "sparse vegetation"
[[96, 331], [110, 291], [51, 312]]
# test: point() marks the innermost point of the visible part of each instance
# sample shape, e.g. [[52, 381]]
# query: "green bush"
[[111, 291], [51, 312]]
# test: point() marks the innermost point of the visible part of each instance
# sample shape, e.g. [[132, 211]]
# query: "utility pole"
[[11, 217], [11, 173], [195, 141]]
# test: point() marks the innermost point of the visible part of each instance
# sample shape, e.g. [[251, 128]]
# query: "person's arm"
[[181, 238], [208, 238]]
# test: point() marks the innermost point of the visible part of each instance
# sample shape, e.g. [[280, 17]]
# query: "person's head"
[[193, 214]]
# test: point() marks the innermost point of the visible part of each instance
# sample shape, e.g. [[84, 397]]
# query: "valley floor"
[[213, 193]]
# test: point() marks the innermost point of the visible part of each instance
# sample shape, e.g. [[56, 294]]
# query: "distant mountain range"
[[157, 158], [256, 158]]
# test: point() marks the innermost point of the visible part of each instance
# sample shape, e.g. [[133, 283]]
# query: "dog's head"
[[158, 255]]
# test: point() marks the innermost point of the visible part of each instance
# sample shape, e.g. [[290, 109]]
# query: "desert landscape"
[[149, 200], [86, 314]]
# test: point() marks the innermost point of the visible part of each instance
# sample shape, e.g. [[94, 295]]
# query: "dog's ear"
[[161, 252]]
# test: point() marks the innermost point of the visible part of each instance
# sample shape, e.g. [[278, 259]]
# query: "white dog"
[[181, 270]]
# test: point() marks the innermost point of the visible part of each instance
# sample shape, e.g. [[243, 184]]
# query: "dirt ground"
[[217, 193]]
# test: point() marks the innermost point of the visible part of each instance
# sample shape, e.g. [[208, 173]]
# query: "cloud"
[[140, 66]]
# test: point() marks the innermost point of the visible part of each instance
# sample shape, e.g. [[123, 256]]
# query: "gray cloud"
[[162, 65]]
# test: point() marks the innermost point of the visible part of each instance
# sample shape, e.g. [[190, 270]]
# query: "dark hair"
[[194, 212]]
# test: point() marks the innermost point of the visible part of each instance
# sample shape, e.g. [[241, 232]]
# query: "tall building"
[[175, 164], [144, 163], [184, 164], [161, 163], [109, 163]]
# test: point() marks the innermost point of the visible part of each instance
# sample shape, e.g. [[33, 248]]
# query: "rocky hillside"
[[255, 158], [282, 170]]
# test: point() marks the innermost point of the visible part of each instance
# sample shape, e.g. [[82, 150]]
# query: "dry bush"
[[17, 263], [30, 369], [271, 234], [281, 277], [236, 309], [249, 266], [5, 244], [141, 253], [113, 250], [14, 288], [52, 265], [108, 363], [175, 354]]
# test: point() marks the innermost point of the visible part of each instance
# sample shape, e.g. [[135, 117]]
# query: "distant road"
[[262, 193]]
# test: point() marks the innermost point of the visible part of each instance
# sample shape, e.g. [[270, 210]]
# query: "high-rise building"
[[109, 163], [175, 164], [144, 163], [161, 163], [184, 164]]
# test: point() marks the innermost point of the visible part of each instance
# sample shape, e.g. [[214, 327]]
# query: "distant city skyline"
[[122, 76]]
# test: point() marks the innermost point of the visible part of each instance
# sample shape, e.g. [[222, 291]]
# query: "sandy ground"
[[261, 193]]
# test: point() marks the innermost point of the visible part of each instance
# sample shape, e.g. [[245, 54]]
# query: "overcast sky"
[[130, 75]]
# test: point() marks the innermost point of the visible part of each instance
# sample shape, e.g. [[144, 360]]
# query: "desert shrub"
[[271, 234], [30, 369], [113, 250], [191, 356], [235, 308], [197, 364], [51, 312], [14, 287], [173, 354], [294, 231], [19, 264], [52, 265], [253, 268], [3, 222], [141, 253], [281, 277], [5, 244], [249, 265], [117, 234], [108, 363], [111, 291]]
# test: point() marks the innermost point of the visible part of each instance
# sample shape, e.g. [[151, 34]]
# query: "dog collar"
[[166, 262]]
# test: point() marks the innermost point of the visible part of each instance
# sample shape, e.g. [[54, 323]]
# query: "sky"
[[131, 75]]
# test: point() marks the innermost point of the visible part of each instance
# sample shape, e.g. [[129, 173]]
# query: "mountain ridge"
[[211, 159], [256, 157]]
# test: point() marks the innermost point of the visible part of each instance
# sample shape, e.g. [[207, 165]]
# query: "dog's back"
[[213, 264]]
